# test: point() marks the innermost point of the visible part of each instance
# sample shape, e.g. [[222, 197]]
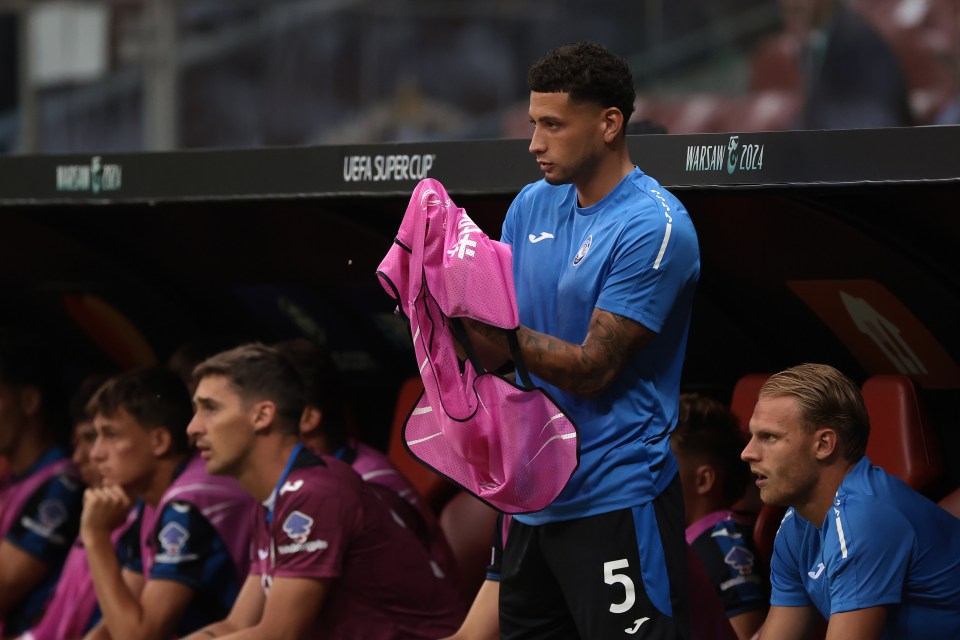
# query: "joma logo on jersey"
[[290, 487], [816, 572], [297, 526]]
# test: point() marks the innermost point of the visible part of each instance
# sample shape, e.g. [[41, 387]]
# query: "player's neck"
[[32, 444], [699, 509], [814, 510], [163, 476], [261, 476], [610, 170]]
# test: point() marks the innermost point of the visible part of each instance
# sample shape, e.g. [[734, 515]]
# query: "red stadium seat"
[[951, 502], [901, 440], [468, 525], [765, 529], [435, 489], [744, 398]]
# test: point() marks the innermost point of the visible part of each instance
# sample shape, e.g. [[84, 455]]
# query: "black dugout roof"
[[833, 246], [478, 167]]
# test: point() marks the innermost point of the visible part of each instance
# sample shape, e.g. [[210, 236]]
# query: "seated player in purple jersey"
[[707, 442], [323, 430], [856, 545], [329, 560], [72, 609], [181, 562], [41, 496]]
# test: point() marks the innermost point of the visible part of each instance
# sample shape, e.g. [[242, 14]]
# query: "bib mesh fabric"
[[510, 445]]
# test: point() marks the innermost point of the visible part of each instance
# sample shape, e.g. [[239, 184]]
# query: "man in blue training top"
[[874, 557], [605, 264]]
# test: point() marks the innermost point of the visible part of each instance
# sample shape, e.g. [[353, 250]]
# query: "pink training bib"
[[509, 445]]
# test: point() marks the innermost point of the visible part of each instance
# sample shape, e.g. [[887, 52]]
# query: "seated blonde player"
[[856, 546]]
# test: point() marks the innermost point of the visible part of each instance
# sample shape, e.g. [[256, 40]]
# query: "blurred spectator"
[[851, 76]]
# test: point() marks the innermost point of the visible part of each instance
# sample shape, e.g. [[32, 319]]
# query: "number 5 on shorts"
[[610, 577]]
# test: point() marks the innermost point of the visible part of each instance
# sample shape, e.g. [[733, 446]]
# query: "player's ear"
[[705, 477], [263, 414], [613, 123], [160, 441], [31, 398], [311, 419], [826, 443]]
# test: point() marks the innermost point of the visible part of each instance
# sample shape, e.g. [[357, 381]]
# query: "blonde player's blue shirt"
[[634, 253], [880, 544]]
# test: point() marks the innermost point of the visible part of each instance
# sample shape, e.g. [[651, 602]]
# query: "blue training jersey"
[[635, 254], [880, 544]]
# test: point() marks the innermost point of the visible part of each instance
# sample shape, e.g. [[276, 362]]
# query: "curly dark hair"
[[708, 429], [589, 73]]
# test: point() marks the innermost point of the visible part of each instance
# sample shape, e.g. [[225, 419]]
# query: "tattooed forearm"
[[581, 369], [585, 369]]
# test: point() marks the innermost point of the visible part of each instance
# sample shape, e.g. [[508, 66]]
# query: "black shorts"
[[621, 574]]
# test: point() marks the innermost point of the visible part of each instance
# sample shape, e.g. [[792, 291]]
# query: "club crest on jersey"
[[173, 537], [582, 253], [52, 513], [297, 526]]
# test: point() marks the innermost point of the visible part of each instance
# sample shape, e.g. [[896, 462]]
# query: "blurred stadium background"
[[133, 75]]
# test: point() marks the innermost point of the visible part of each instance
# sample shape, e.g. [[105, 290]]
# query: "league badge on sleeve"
[[297, 526], [174, 538], [741, 559]]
